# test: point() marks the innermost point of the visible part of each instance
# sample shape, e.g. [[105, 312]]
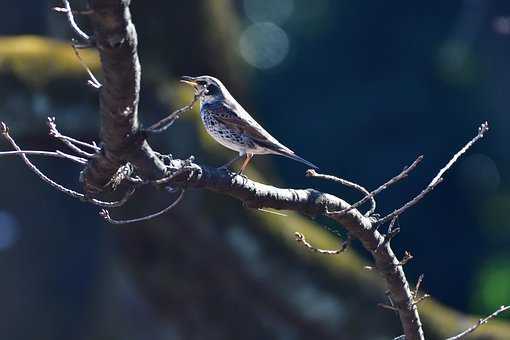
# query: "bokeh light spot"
[[264, 45], [492, 286], [501, 25], [277, 11], [479, 175], [9, 230]]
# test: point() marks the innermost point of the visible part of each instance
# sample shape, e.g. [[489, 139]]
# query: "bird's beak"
[[189, 80]]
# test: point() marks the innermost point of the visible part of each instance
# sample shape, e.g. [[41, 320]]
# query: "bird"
[[231, 125]]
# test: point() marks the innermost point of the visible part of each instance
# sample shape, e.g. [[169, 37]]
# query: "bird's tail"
[[299, 159]]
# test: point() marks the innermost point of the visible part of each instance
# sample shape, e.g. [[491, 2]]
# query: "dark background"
[[360, 88]]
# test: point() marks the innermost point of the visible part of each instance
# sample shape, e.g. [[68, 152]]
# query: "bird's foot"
[[240, 173], [226, 168]]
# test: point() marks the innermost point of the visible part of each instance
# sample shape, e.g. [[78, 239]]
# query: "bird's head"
[[207, 88]]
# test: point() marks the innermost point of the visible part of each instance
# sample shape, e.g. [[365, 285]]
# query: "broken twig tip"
[[104, 214], [483, 128], [310, 173]]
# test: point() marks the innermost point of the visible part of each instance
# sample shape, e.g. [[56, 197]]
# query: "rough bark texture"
[[313, 203], [116, 41]]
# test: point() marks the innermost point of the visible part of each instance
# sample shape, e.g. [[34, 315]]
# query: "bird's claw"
[[240, 174]]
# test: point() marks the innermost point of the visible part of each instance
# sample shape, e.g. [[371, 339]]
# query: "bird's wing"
[[237, 118]]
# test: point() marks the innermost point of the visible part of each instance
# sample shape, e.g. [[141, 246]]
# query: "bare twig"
[[5, 132], [421, 298], [385, 306], [168, 121], [392, 224], [479, 323], [407, 257], [72, 22], [352, 185], [93, 80], [418, 284], [64, 10], [391, 232], [106, 215], [66, 140], [300, 238], [481, 132], [57, 154], [438, 178], [389, 183], [272, 212], [51, 122], [187, 167], [416, 299]]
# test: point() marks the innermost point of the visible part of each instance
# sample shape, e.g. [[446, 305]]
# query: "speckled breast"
[[224, 135]]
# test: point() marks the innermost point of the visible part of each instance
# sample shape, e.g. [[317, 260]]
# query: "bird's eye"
[[212, 89], [200, 82]]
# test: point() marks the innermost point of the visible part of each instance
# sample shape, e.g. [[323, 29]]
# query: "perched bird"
[[231, 126]]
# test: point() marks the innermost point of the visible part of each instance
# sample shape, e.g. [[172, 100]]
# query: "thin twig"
[[93, 80], [479, 323], [418, 284], [106, 215], [383, 305], [56, 134], [420, 299], [272, 212], [300, 238], [66, 140], [407, 257], [64, 10], [389, 236], [5, 132], [188, 166], [392, 224], [438, 178], [389, 183], [72, 22], [168, 121], [58, 154], [352, 185]]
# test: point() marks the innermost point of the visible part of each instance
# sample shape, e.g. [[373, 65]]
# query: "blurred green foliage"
[[36, 60]]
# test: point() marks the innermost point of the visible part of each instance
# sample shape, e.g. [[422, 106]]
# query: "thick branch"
[[116, 40], [312, 203]]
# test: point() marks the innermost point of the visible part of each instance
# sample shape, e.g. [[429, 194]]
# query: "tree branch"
[[355, 186], [312, 203], [4, 130], [479, 323], [106, 214], [116, 40], [386, 185], [438, 178]]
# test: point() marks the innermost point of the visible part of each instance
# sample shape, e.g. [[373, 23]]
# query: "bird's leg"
[[245, 164], [232, 161]]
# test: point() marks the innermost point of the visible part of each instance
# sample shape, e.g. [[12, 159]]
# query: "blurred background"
[[360, 88]]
